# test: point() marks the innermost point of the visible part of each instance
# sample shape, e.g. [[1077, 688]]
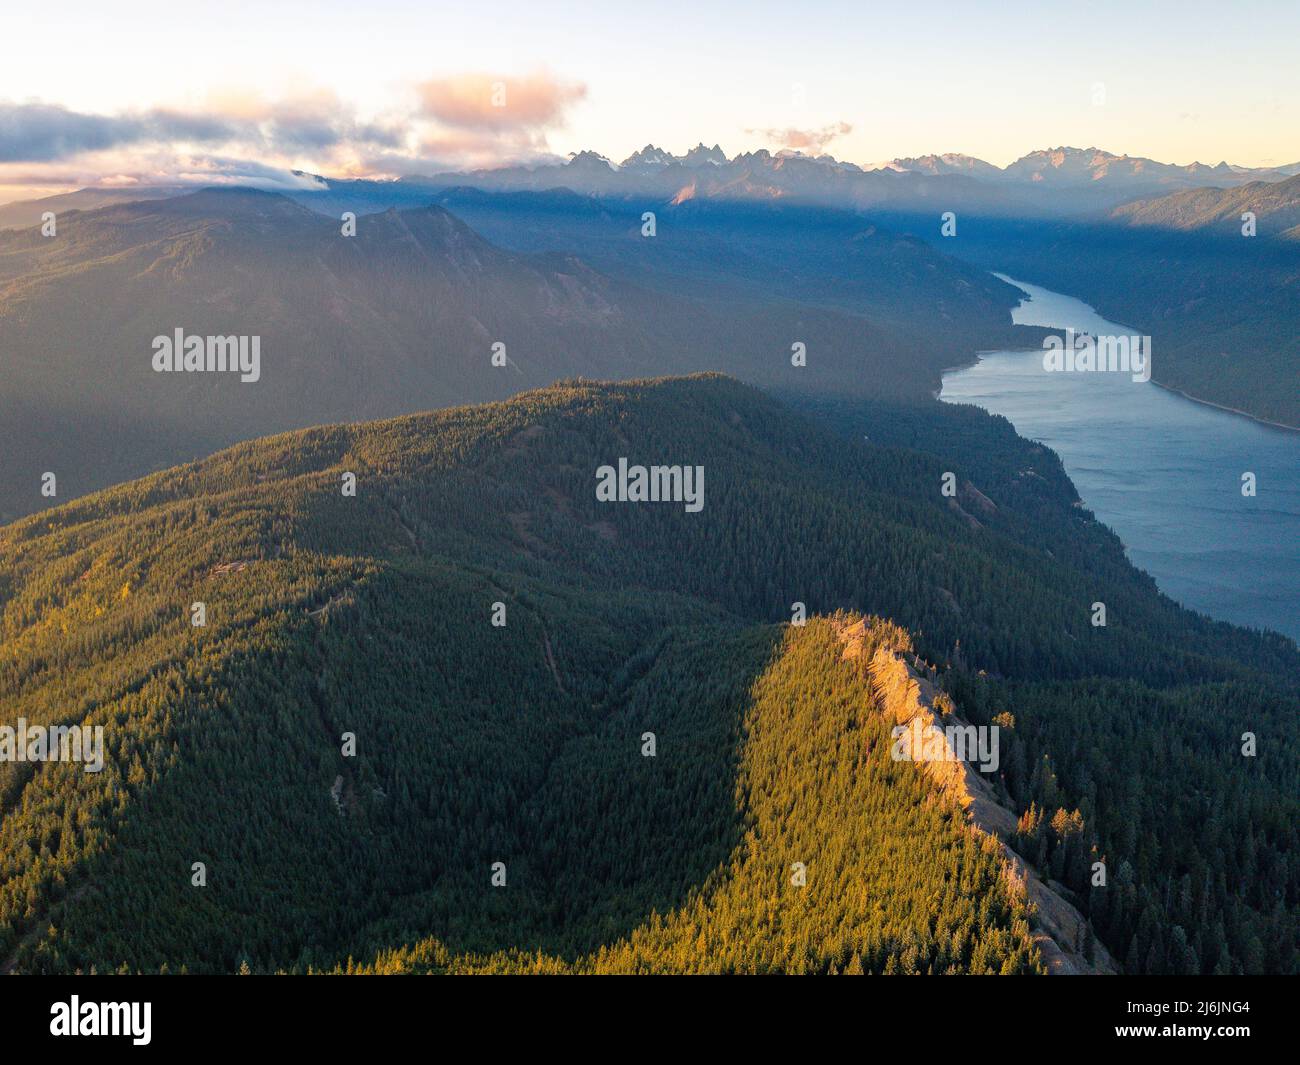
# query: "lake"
[[1164, 472]]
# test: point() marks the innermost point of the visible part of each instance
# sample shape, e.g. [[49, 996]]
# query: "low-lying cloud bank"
[[473, 119]]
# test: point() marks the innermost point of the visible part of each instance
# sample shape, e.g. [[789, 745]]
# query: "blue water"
[[1162, 471]]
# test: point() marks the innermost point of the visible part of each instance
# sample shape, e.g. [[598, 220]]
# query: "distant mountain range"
[[753, 254], [1054, 181], [1062, 166], [1080, 178]]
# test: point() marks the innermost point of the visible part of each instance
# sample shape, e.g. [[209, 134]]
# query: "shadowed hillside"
[[416, 311]]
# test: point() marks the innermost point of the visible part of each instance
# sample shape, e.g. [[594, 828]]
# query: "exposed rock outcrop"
[[911, 699]]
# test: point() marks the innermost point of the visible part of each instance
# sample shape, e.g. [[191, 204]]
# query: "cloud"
[[467, 121], [43, 133], [219, 170], [307, 121], [805, 140], [38, 132], [154, 168], [498, 102]]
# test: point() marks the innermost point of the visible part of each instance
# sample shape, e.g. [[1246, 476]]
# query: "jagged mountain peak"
[[945, 163], [588, 159], [648, 158], [702, 156]]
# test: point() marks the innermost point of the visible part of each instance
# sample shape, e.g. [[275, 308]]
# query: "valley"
[[1169, 475]]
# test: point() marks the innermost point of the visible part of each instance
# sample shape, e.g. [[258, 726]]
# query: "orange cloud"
[[238, 134], [813, 140], [498, 102]]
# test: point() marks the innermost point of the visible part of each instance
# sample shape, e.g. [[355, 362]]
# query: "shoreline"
[[1164, 562], [1168, 388], [975, 359], [1231, 410]]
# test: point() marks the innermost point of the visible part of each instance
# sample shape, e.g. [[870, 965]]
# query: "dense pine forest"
[[411, 733]]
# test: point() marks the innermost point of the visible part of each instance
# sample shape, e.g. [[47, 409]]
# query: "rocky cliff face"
[[910, 699]]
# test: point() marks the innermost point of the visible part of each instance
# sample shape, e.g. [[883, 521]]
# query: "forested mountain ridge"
[[1274, 205], [908, 697], [372, 615], [830, 751], [20, 214]]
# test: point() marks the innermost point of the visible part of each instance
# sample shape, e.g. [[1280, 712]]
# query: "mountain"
[[948, 163], [358, 328], [407, 314], [1083, 181], [1221, 307], [765, 250], [1051, 182], [1092, 168], [1276, 206], [700, 156], [24, 213], [648, 160], [400, 317], [367, 618], [707, 173], [590, 164]]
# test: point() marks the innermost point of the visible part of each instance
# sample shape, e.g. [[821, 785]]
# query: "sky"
[[138, 92]]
